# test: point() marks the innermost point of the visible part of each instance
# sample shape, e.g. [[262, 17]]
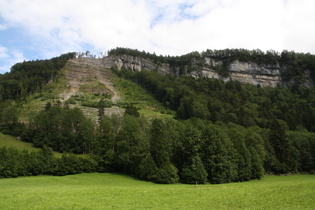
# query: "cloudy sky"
[[41, 29]]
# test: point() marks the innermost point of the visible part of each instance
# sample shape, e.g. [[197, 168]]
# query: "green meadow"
[[115, 191], [10, 141]]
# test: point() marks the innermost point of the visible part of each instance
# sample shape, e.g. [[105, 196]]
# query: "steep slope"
[[265, 75], [88, 80], [82, 71], [83, 82], [255, 67]]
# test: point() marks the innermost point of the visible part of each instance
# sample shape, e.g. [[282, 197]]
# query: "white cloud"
[[3, 52], [11, 57], [163, 26]]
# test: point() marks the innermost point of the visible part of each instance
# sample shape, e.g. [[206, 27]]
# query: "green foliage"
[[9, 119], [64, 130], [89, 100], [193, 171], [10, 141], [164, 150], [196, 151], [127, 146], [257, 56], [302, 151], [243, 104], [223, 132], [280, 143], [103, 147], [30, 76], [132, 110], [217, 154], [14, 163]]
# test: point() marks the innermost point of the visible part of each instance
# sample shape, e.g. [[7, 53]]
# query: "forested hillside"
[[208, 130], [243, 104], [28, 77]]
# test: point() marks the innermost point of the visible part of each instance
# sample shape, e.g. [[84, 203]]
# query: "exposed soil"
[[82, 71]]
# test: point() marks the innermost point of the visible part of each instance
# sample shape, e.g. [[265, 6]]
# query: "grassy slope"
[[133, 93], [10, 141], [129, 92], [37, 101], [107, 191]]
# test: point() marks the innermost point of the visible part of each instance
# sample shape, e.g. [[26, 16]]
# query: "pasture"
[[115, 191], [10, 141]]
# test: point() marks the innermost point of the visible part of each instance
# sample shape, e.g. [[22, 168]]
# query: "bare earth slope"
[[86, 72], [81, 71], [82, 83]]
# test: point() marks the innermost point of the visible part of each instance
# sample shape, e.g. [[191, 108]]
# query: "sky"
[[42, 29]]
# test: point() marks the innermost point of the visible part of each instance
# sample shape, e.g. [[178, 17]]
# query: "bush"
[[14, 163], [167, 174]]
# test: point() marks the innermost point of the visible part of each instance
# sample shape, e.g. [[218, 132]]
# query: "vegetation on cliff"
[[293, 65]]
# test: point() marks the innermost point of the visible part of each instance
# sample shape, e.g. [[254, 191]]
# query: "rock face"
[[248, 72], [265, 75], [135, 64]]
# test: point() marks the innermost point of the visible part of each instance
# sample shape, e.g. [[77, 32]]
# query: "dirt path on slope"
[[82, 71]]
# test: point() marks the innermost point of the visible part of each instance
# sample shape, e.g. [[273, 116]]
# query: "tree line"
[[161, 150], [60, 128], [28, 77], [14, 163]]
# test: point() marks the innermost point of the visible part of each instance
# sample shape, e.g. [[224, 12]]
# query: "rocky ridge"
[[265, 75]]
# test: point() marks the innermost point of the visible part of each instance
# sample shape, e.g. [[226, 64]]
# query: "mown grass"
[[113, 191]]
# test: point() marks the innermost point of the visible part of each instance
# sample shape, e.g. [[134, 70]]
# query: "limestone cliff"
[[265, 75], [135, 64]]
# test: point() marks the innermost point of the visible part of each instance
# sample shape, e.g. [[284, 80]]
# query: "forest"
[[220, 132], [28, 77]]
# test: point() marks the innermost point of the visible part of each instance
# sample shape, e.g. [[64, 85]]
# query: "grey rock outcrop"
[[265, 75], [245, 72], [135, 64]]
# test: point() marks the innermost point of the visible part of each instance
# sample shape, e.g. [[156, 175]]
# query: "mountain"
[[79, 82], [216, 116]]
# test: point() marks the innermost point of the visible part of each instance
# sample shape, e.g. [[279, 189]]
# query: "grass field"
[[113, 191]]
